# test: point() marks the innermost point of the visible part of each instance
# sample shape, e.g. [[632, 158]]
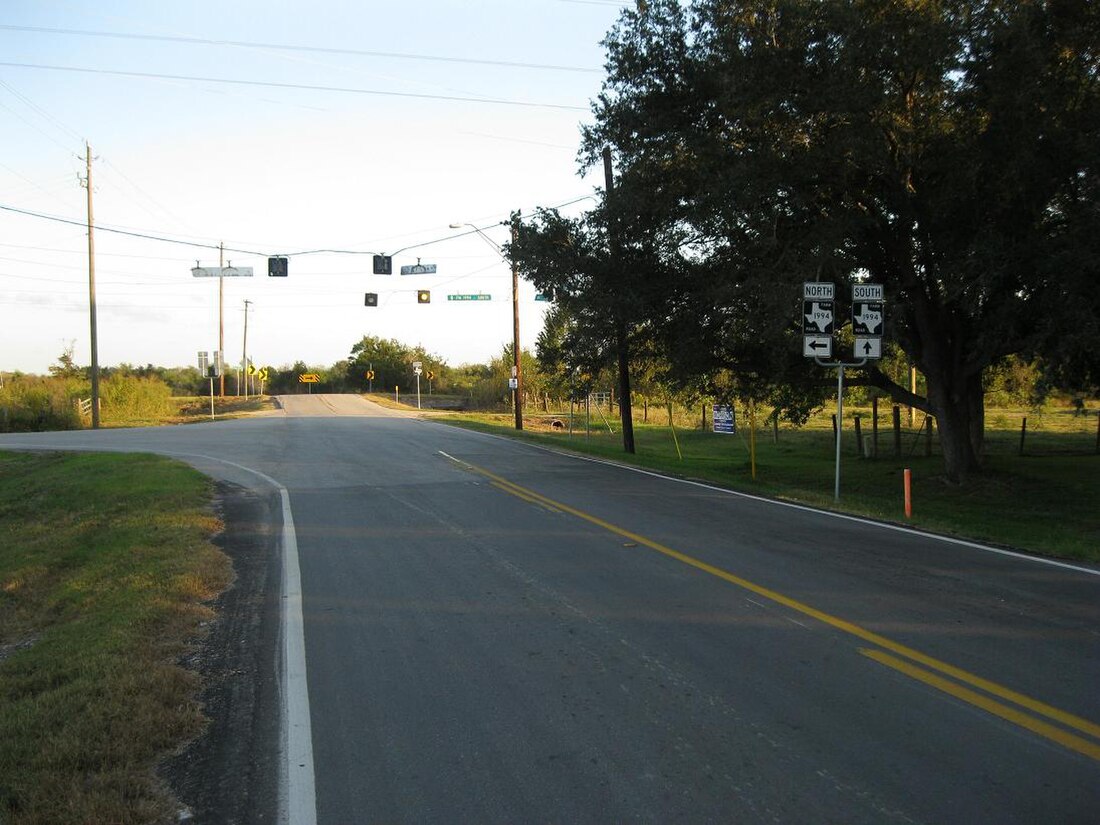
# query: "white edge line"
[[298, 803], [897, 528]]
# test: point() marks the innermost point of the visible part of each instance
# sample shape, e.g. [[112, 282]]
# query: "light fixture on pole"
[[517, 373]]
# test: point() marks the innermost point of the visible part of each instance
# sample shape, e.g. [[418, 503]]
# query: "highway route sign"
[[867, 318], [817, 317]]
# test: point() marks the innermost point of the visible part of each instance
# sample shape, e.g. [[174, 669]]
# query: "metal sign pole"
[[839, 427], [840, 365]]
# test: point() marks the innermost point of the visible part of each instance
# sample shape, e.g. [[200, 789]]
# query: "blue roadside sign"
[[723, 418]]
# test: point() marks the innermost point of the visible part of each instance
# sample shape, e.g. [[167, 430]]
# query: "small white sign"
[[867, 346], [866, 292], [513, 383], [418, 269], [221, 272], [817, 346], [817, 291]]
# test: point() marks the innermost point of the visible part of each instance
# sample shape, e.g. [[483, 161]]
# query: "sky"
[[356, 126]]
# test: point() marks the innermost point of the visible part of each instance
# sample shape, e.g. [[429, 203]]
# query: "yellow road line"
[[529, 499], [1017, 717], [1068, 719]]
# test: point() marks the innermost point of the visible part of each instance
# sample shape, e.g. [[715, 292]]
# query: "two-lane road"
[[499, 633]]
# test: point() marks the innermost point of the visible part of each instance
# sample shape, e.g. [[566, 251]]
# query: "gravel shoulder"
[[230, 773]]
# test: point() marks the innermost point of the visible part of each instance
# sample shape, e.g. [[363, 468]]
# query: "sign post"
[[417, 368], [868, 316]]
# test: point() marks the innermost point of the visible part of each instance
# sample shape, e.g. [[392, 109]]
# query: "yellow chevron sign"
[[309, 378]]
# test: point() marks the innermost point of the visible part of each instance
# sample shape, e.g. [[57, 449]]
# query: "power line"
[[300, 48], [296, 86], [196, 245]]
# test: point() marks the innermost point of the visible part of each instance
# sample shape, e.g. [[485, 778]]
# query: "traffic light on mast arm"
[[370, 299], [276, 267], [423, 296]]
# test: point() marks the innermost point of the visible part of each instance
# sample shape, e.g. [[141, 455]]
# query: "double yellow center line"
[[1066, 729]]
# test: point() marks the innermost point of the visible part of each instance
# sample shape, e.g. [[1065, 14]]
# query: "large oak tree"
[[946, 149]]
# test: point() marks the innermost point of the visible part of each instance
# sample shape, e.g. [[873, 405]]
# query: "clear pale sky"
[[271, 169]]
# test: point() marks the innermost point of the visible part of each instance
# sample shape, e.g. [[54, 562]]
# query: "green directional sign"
[[541, 296], [480, 296]]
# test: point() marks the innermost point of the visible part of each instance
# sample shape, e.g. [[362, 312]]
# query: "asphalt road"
[[499, 633]]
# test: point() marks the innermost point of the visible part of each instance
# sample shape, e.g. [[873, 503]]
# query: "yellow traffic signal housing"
[[424, 296]]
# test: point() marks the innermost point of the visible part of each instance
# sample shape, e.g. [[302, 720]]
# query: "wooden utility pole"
[[221, 319], [244, 349], [517, 398], [91, 295], [626, 414]]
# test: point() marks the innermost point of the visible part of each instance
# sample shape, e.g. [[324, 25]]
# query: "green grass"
[[1046, 501], [105, 563]]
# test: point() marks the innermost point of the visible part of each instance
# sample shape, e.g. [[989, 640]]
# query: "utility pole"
[[244, 349], [91, 295], [626, 413], [516, 369], [221, 316]]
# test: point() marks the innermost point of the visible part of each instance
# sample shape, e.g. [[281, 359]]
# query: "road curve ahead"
[[499, 633]]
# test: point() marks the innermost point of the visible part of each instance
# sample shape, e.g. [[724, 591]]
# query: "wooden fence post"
[[897, 431], [859, 436]]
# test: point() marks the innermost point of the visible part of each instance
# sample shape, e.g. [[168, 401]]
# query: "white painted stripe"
[[897, 528], [301, 796]]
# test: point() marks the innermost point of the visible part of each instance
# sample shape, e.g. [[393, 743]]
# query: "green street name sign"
[[480, 296]]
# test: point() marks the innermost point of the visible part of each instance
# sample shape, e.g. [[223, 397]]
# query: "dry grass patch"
[[105, 568]]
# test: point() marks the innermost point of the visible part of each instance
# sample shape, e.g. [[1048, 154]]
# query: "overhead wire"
[[296, 86], [303, 48]]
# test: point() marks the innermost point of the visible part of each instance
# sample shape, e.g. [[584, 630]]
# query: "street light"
[[517, 373]]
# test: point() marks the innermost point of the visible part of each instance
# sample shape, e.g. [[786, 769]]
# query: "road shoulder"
[[230, 773]]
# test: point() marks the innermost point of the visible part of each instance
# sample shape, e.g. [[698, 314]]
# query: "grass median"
[[105, 568], [1045, 500]]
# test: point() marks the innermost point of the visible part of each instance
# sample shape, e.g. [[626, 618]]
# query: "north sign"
[[817, 291]]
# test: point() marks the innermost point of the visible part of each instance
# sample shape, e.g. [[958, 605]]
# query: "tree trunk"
[[626, 413], [959, 410]]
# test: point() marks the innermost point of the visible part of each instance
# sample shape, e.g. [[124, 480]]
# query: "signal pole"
[[91, 295]]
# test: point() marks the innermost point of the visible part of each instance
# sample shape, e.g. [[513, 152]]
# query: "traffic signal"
[[383, 265], [424, 296], [370, 299], [276, 267]]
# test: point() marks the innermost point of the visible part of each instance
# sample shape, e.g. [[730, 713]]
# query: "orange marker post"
[[908, 493]]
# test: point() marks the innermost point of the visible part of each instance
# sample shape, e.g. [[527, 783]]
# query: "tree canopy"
[[946, 150]]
